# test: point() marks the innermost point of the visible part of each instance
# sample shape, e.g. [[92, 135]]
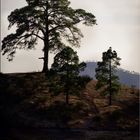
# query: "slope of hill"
[[126, 77], [26, 102]]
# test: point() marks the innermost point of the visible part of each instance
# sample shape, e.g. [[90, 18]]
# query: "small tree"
[[66, 64], [105, 73]]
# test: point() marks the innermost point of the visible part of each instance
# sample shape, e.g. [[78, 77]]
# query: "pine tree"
[[107, 80], [52, 21], [66, 64]]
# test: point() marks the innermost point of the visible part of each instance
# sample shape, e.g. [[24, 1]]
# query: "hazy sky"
[[118, 26]]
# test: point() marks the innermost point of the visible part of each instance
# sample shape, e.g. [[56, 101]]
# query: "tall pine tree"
[[108, 81], [52, 21]]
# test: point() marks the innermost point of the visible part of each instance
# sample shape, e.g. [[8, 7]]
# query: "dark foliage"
[[67, 68], [50, 21], [106, 73]]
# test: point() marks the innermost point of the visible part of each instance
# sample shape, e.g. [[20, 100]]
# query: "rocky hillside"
[[25, 100]]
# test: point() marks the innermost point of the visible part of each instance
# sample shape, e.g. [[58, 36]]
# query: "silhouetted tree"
[[66, 64], [52, 21], [105, 73]]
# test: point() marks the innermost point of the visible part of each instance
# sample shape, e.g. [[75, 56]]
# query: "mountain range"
[[131, 79]]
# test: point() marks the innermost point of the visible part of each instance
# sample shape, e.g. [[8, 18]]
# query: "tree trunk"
[[110, 84], [46, 43], [67, 87], [46, 57], [67, 97]]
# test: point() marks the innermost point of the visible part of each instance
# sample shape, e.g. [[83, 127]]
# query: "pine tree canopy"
[[52, 21], [67, 61], [106, 76]]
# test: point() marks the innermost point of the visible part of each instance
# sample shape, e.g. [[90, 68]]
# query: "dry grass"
[[33, 92]]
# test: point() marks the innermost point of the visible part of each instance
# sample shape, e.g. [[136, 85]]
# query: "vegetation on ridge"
[[26, 99]]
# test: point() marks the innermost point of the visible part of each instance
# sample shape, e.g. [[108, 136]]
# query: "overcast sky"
[[118, 26]]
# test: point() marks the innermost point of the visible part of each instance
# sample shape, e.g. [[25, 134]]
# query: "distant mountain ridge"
[[126, 77]]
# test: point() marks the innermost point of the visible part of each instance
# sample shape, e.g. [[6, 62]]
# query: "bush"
[[56, 112], [60, 112], [116, 115], [97, 118]]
